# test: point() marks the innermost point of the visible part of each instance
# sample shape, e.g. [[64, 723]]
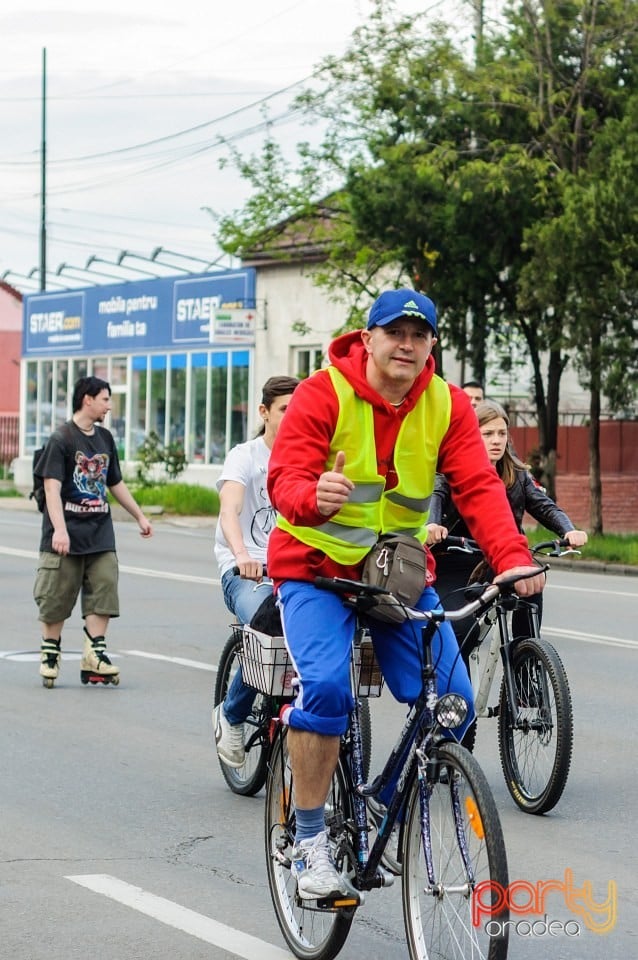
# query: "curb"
[[593, 566]]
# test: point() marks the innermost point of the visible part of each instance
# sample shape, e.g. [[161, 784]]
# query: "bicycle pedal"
[[342, 900]]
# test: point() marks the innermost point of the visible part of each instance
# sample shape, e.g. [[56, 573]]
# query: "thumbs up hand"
[[340, 462], [333, 487]]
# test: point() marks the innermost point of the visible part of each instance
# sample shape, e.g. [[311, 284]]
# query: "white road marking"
[[136, 571], [15, 552], [167, 575], [589, 637], [173, 915], [35, 655], [608, 593], [182, 661]]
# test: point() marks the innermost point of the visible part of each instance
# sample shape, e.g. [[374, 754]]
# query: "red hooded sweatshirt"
[[300, 453]]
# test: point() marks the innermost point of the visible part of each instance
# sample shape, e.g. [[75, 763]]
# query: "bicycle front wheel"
[[535, 739], [451, 918], [248, 779], [311, 932]]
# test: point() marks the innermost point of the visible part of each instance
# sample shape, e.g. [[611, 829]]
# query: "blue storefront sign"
[[143, 315]]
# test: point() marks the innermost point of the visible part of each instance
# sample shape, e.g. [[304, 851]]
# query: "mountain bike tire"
[[439, 920], [248, 779], [310, 931], [536, 755]]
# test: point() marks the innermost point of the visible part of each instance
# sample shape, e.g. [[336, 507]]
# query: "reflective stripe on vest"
[[370, 511]]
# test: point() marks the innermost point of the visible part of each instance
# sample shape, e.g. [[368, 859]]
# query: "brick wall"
[[619, 468], [620, 501]]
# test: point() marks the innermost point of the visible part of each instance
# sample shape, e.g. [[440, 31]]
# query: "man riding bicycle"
[[355, 458]]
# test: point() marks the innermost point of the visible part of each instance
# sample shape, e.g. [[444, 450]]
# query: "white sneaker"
[[229, 739], [314, 868]]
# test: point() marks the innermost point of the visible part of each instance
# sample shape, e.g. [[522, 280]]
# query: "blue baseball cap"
[[401, 303]]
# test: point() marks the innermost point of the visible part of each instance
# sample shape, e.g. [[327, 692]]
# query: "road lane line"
[[167, 575], [136, 571], [589, 637], [173, 915], [608, 593], [16, 552], [182, 661]]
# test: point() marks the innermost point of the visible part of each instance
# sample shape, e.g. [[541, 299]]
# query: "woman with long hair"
[[524, 495]]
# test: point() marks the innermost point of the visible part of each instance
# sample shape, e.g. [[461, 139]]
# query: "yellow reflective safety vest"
[[371, 509]]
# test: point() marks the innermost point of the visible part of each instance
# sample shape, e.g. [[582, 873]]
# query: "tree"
[[598, 292], [450, 174]]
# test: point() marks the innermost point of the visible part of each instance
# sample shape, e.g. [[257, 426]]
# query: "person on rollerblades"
[[78, 466]]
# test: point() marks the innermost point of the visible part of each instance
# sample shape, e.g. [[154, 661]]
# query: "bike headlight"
[[451, 710]]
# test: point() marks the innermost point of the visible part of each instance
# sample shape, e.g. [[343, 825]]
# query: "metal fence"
[[9, 438]]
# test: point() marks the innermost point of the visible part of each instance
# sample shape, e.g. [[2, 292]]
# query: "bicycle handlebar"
[[548, 548], [457, 544], [264, 572], [363, 596], [555, 548]]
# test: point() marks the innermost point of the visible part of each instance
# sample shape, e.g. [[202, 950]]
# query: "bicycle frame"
[[500, 647], [439, 806], [416, 743]]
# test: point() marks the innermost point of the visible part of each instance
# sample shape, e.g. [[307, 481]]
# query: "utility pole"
[[43, 177], [478, 30], [477, 7]]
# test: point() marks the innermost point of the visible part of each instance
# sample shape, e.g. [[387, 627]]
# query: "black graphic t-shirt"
[[86, 467]]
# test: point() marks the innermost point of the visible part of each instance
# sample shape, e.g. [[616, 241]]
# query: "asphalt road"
[[119, 838]]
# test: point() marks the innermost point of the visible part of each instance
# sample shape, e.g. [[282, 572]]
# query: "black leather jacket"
[[524, 497]]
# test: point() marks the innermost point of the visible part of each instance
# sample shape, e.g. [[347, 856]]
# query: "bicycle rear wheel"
[[311, 932], [248, 779], [536, 752], [439, 918]]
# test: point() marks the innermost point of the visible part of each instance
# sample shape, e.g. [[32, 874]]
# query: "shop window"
[[31, 399], [45, 415], [118, 375], [198, 408], [100, 368], [177, 402], [139, 379], [218, 406], [79, 368], [157, 401], [63, 400], [239, 393]]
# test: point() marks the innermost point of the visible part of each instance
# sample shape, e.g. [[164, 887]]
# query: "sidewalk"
[[579, 564]]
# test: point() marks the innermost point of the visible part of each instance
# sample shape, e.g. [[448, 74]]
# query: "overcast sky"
[[125, 79]]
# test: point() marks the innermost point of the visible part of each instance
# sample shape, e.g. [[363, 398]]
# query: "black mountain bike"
[[534, 706], [450, 841]]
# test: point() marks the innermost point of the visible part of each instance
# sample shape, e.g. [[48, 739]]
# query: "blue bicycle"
[[441, 814]]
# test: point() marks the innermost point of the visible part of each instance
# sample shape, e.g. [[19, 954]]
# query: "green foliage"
[[506, 188], [152, 454], [174, 459], [178, 498]]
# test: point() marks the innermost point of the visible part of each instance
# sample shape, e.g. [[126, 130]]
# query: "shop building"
[[185, 356], [177, 351]]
